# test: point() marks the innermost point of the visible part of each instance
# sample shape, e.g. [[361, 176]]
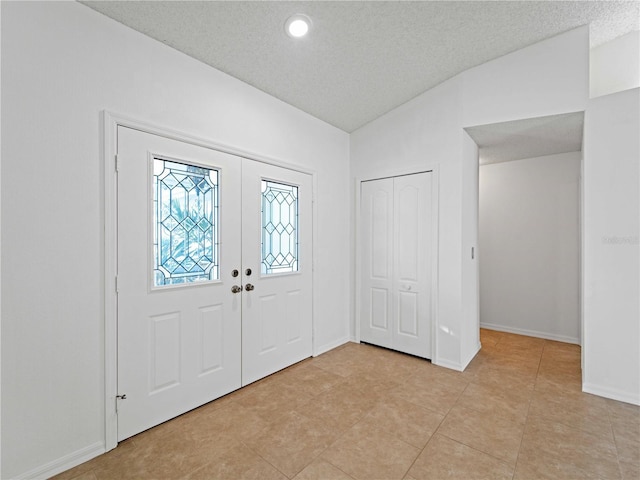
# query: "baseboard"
[[612, 393], [531, 333], [467, 361], [447, 364], [64, 463], [330, 346]]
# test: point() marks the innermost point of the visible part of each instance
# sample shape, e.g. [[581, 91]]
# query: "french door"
[[214, 275], [395, 248]]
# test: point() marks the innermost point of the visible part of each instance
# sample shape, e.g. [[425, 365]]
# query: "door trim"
[[434, 170], [110, 122]]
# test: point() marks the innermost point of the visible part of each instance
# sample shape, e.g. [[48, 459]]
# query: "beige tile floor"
[[363, 412]]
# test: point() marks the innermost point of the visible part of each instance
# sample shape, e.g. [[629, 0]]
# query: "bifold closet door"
[[396, 270]]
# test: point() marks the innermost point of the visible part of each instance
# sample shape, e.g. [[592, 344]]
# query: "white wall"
[[62, 64], [529, 246], [470, 319], [611, 262], [615, 65], [547, 78]]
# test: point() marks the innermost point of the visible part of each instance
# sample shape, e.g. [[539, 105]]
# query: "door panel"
[[377, 258], [277, 248], [178, 345], [211, 346], [412, 260]]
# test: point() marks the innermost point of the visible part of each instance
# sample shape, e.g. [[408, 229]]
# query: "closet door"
[[412, 264], [395, 245], [376, 246]]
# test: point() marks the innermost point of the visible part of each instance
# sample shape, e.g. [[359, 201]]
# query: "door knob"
[[248, 287], [236, 289]]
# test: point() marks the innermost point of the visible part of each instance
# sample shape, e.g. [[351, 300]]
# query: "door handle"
[[236, 289], [248, 287]]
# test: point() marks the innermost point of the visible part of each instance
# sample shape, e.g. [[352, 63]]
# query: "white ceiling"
[[528, 138], [361, 59]]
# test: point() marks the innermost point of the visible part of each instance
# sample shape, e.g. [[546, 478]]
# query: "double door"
[[214, 275], [396, 273]]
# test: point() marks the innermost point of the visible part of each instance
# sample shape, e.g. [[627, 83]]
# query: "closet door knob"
[[248, 287], [236, 289]]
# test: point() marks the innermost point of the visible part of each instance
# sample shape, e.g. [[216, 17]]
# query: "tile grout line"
[[429, 441], [524, 427], [615, 441]]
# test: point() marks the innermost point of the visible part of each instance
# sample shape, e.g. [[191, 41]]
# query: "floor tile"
[[308, 379], [490, 374], [629, 470], [292, 442], [238, 463], [554, 381], [339, 408], [515, 363], [344, 362], [82, 471], [271, 400], [497, 400], [74, 475], [627, 447], [437, 392], [444, 458], [626, 432], [373, 383], [322, 470], [578, 410], [517, 345], [408, 422], [366, 452], [489, 337], [554, 450], [181, 452], [497, 436], [235, 419]]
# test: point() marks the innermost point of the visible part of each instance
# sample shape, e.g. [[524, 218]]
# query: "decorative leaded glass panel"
[[279, 228], [185, 219]]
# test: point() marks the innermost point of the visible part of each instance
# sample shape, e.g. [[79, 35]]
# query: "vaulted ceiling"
[[361, 59]]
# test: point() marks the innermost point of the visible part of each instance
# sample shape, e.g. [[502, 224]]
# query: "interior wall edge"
[[319, 350]]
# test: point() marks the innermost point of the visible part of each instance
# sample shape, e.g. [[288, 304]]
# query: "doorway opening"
[[529, 226]]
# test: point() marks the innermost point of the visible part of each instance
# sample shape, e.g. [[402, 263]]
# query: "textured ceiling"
[[529, 138], [361, 59]]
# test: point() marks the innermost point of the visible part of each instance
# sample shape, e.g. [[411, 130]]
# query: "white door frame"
[[110, 123], [433, 169]]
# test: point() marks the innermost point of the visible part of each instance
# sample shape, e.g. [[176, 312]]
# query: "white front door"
[[189, 329], [396, 233], [276, 247]]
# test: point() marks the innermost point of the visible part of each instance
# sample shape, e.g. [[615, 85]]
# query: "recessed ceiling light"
[[297, 25]]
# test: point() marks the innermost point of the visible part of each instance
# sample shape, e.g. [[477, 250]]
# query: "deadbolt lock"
[[234, 273]]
